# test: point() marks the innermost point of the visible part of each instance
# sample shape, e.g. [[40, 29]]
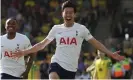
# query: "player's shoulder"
[[58, 26], [80, 25], [3, 36], [22, 36]]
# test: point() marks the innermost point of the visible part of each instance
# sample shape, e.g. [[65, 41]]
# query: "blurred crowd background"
[[109, 21]]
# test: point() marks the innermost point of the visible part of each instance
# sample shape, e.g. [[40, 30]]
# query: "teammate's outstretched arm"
[[37, 47], [103, 49]]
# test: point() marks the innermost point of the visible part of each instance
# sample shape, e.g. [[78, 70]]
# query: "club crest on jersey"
[[68, 41], [17, 49], [76, 33]]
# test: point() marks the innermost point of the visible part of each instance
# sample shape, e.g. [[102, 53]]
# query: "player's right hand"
[[18, 54]]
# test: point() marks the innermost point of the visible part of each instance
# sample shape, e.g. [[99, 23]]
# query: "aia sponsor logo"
[[68, 41], [8, 54]]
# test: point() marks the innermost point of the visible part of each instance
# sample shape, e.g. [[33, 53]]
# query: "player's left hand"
[[116, 56], [18, 54]]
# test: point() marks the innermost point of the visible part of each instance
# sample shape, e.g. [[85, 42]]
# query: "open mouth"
[[68, 19], [10, 28]]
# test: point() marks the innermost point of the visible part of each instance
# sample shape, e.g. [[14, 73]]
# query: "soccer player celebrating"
[[69, 37], [11, 42]]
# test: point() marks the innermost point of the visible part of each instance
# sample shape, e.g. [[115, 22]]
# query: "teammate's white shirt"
[[68, 44], [9, 65]]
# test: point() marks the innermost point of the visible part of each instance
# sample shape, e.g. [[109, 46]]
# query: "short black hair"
[[13, 18], [69, 3]]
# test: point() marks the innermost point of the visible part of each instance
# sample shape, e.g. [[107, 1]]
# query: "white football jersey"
[[68, 44], [9, 65]]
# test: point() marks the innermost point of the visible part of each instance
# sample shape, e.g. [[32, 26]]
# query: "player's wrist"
[[110, 54], [23, 52], [26, 52]]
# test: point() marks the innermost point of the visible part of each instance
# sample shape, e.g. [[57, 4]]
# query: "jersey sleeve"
[[51, 34], [86, 34]]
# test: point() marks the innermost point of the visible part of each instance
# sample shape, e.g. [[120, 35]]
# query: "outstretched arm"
[[99, 46], [34, 49], [103, 49], [37, 47]]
